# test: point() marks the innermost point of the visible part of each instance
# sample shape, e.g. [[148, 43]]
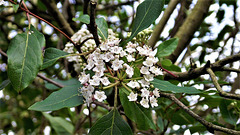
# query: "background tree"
[[198, 46]]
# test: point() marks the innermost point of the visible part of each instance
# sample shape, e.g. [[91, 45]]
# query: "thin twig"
[[50, 81], [230, 69], [219, 89], [210, 126], [103, 105]]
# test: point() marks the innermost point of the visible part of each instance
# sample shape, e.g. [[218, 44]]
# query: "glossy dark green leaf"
[[147, 12], [24, 58], [60, 125], [182, 118], [167, 86], [4, 84], [51, 55], [39, 36], [102, 28], [135, 112], [166, 62], [111, 124], [66, 97], [167, 47], [227, 112], [83, 18]]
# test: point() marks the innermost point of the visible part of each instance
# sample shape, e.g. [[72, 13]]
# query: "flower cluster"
[[2, 2], [133, 65]]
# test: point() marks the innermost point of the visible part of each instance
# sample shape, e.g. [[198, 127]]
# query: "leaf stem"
[[111, 85], [137, 78], [115, 78], [115, 97], [124, 85]]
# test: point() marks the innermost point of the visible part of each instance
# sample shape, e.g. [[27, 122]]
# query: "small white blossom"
[[104, 47], [148, 62], [116, 49], [89, 100], [105, 81], [133, 84], [117, 64], [145, 92], [156, 92], [144, 102], [2, 2], [132, 96], [148, 77], [156, 71], [130, 58], [108, 56], [90, 64], [153, 101], [130, 71], [123, 53], [144, 70], [100, 95], [153, 53], [99, 68], [83, 78], [144, 83], [95, 81]]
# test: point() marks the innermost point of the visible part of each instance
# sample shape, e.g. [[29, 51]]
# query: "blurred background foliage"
[[217, 37]]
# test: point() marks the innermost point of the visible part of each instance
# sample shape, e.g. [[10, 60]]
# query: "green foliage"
[[102, 28], [167, 86], [83, 18], [111, 124], [60, 125], [66, 97], [69, 82], [24, 58], [167, 47], [51, 55], [135, 112], [4, 84], [147, 12]]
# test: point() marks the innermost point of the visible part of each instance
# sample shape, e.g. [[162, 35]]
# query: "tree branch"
[[191, 24], [159, 27], [196, 72], [219, 89], [210, 126]]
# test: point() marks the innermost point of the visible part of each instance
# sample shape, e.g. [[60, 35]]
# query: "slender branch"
[[103, 105], [27, 11], [196, 72], [159, 27], [210, 126], [92, 26], [230, 69], [218, 87], [50, 81], [3, 53]]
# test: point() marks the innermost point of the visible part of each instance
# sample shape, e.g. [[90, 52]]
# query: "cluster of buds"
[[109, 60], [142, 37]]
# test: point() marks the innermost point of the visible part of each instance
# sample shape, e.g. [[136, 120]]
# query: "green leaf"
[[4, 84], [39, 36], [24, 59], [227, 111], [69, 82], [51, 55], [147, 12], [111, 124], [166, 62], [167, 86], [182, 118], [66, 97], [15, 7], [83, 18], [167, 47], [60, 125], [135, 112], [102, 28]]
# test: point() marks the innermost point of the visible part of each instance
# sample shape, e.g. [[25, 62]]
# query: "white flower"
[[88, 100], [156, 71], [108, 56], [156, 92], [105, 81], [83, 78], [130, 58], [130, 48], [148, 62], [148, 77], [144, 70], [2, 2], [99, 68], [145, 92], [133, 84], [153, 101], [100, 95], [116, 49], [117, 64], [144, 83], [90, 64], [129, 71], [144, 102], [153, 53], [132, 96], [104, 47], [95, 81], [123, 53]]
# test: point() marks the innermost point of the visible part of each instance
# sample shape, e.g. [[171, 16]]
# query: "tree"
[[87, 67]]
